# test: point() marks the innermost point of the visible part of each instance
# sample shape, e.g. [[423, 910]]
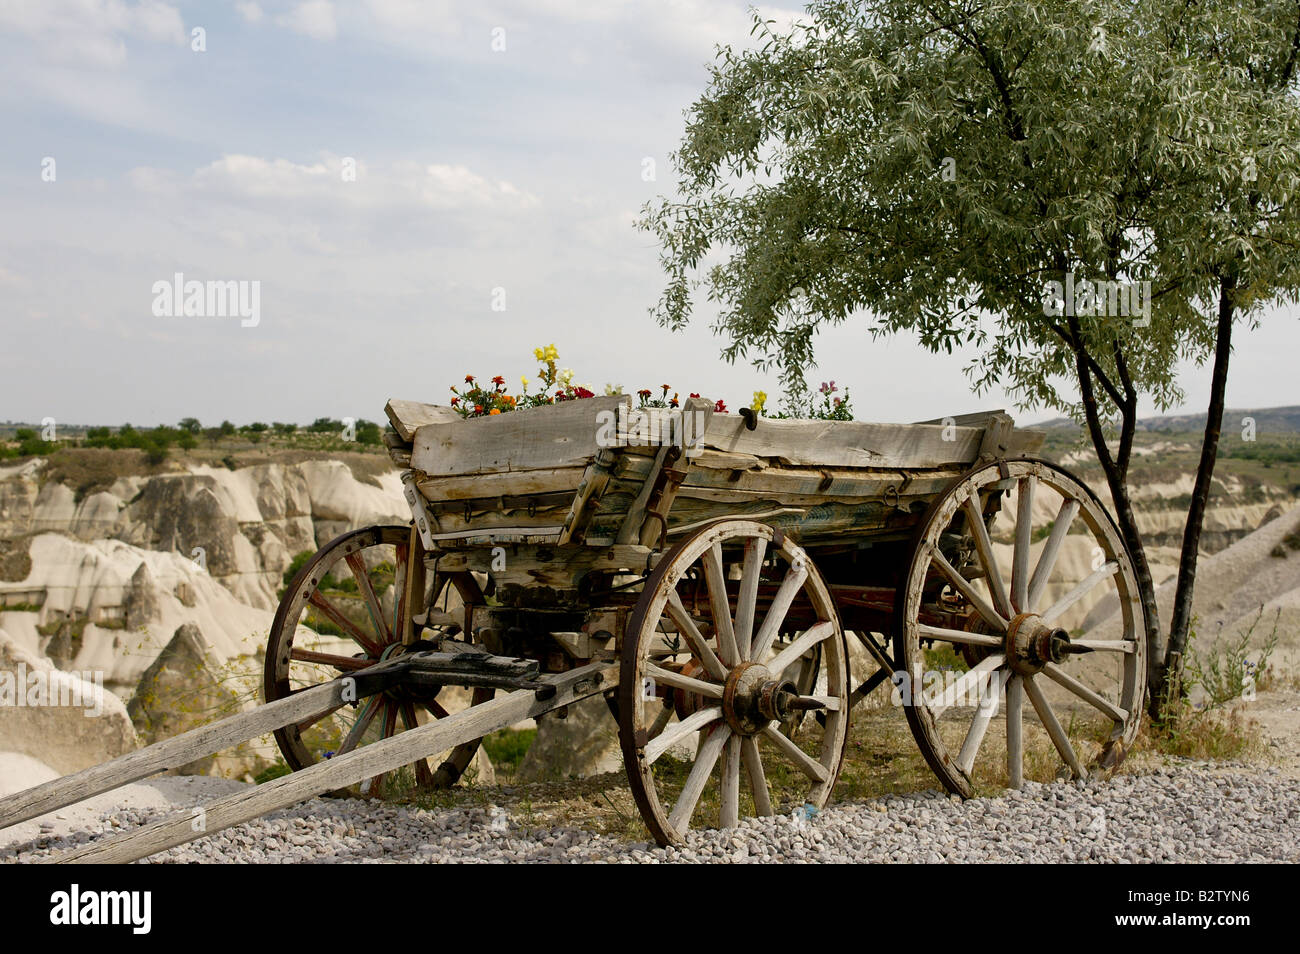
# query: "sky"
[[422, 189]]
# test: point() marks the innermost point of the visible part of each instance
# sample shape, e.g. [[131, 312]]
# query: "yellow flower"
[[760, 399], [539, 354], [566, 376], [551, 354], [524, 380]]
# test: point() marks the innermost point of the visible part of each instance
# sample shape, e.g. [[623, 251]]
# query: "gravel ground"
[[1192, 813]]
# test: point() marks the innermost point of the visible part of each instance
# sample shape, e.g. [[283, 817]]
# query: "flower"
[[760, 399], [644, 392], [498, 380], [566, 376], [582, 392], [695, 394], [469, 379], [478, 408], [539, 354], [720, 407], [523, 379], [495, 410], [455, 401]]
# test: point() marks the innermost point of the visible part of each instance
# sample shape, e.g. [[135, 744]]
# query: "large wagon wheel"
[[692, 666], [1006, 564], [333, 620]]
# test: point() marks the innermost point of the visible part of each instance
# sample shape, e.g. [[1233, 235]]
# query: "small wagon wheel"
[[336, 617], [1006, 565], [691, 666]]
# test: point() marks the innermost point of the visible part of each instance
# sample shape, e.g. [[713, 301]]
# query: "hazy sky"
[[477, 169]]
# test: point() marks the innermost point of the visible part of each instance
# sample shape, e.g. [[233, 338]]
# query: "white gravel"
[[1191, 813]]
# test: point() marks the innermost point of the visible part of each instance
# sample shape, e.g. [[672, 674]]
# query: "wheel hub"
[[752, 698], [1031, 644]]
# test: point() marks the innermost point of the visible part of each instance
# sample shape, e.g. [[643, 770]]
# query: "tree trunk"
[[1182, 614]]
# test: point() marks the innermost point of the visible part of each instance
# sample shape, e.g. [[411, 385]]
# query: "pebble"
[[1186, 814]]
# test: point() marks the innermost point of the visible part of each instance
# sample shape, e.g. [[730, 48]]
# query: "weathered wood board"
[[561, 435]]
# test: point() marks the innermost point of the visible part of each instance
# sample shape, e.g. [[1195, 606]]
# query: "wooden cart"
[[705, 573]]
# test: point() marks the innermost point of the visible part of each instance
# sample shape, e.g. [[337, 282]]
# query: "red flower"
[[498, 380], [694, 394], [478, 408], [720, 407], [584, 393], [469, 379], [455, 401], [644, 392]]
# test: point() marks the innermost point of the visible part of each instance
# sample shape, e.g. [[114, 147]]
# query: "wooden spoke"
[[1015, 731], [668, 737], [750, 576], [802, 760], [810, 638], [1053, 727], [661, 721], [830, 703], [789, 589], [716, 580], [969, 681], [958, 636], [1105, 645], [423, 776], [1063, 678], [694, 638], [988, 708], [371, 786], [436, 710], [344, 663], [984, 547], [367, 716], [699, 777], [1103, 572], [963, 585], [757, 778], [358, 567], [1020, 558], [1051, 550], [730, 812], [342, 622], [712, 690]]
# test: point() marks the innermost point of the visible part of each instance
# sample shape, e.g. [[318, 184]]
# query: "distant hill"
[[1268, 420]]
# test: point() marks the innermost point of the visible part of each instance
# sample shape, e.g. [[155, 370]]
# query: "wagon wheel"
[[333, 619], [1007, 564], [691, 666]]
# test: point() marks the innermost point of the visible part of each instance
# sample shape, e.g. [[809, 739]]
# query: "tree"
[[191, 425], [953, 168]]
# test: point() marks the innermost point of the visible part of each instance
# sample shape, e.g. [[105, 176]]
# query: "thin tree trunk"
[[1182, 615], [1125, 518]]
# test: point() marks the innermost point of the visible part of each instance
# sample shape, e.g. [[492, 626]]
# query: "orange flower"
[[495, 410], [469, 379]]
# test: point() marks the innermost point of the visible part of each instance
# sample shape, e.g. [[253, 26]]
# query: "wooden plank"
[[478, 486], [971, 419], [350, 768], [408, 416], [846, 443], [170, 753], [560, 435]]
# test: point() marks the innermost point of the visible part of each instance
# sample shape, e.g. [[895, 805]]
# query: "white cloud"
[[91, 32], [313, 18], [251, 12], [396, 186]]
